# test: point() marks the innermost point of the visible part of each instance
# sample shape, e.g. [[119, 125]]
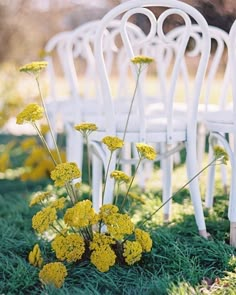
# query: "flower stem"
[[89, 171], [105, 182], [180, 189], [44, 142], [48, 121]]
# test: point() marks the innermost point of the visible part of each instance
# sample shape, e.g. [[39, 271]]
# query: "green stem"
[[48, 121], [180, 189], [69, 193], [130, 110], [89, 171], [44, 142], [105, 182], [131, 182]]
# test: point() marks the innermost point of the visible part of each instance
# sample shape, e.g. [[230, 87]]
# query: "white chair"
[[167, 129], [223, 122]]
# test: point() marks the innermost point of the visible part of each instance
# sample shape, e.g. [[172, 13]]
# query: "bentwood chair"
[[167, 129], [223, 122]]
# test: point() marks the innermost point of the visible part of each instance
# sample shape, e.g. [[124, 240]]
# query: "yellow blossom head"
[[132, 252], [141, 59], [44, 128], [103, 258], [53, 273], [42, 220], [146, 151], [119, 225], [39, 198], [144, 239], [86, 128], [35, 257], [120, 176], [70, 247], [34, 67], [65, 172], [220, 154], [33, 112], [136, 197], [107, 210], [113, 142]]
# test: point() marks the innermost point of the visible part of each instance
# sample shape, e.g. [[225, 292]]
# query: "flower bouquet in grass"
[[69, 223], [74, 230]]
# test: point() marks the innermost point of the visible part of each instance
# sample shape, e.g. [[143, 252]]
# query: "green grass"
[[181, 262]]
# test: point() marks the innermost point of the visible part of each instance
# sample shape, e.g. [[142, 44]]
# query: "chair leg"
[[210, 182], [232, 205], [74, 146], [166, 169], [191, 162], [97, 167]]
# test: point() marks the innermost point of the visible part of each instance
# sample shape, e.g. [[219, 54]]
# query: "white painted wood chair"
[[221, 123], [168, 129]]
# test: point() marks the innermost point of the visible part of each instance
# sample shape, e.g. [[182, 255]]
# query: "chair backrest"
[[172, 8], [57, 65], [82, 76], [232, 63], [216, 83]]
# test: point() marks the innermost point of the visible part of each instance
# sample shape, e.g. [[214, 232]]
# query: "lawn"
[[181, 262]]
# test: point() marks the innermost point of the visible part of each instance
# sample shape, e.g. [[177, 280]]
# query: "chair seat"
[[221, 121]]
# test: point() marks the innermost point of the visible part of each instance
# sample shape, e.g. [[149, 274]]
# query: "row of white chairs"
[[104, 49]]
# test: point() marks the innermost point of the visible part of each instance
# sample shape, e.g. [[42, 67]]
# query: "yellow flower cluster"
[[107, 210], [34, 67], [35, 257], [65, 172], [221, 154], [120, 176], [146, 151], [58, 204], [53, 273], [144, 239], [4, 161], [44, 128], [86, 128], [113, 142], [39, 197], [132, 252], [69, 248], [43, 219], [136, 197], [31, 113], [28, 143], [81, 215], [119, 225], [100, 240], [141, 59], [103, 258]]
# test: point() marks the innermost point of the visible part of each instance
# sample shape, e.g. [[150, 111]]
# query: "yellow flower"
[[28, 143], [31, 113], [69, 248], [35, 257], [39, 197], [132, 252], [220, 154], [86, 128], [53, 273], [103, 258], [44, 128], [141, 59], [81, 215], [119, 225], [120, 176], [4, 161], [146, 151], [34, 67], [58, 204], [43, 219], [99, 240], [144, 239], [107, 210], [64, 173], [113, 143], [136, 197]]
